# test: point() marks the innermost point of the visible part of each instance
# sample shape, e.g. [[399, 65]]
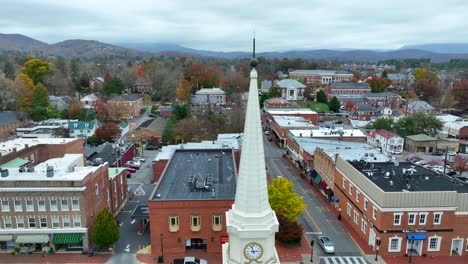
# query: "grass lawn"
[[315, 106]]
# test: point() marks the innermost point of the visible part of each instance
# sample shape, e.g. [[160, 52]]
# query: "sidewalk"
[[56, 258]]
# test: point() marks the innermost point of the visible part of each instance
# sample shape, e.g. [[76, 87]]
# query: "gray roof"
[[290, 83], [366, 108], [319, 72], [8, 117], [420, 105], [349, 85], [383, 94], [201, 99], [406, 174], [349, 98], [126, 97], [421, 137], [193, 174], [266, 84]]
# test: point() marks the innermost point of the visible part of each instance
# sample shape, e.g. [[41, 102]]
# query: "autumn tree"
[[102, 110], [321, 97], [309, 93], [378, 84], [37, 70], [7, 93], [24, 89], [426, 84], [290, 232], [183, 93], [349, 105], [107, 231], [283, 200], [460, 163], [334, 104], [460, 93], [203, 75], [383, 123], [108, 132]]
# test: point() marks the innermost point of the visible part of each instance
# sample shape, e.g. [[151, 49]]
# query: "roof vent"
[[158, 195], [213, 195], [300, 134], [22, 169], [31, 169], [4, 173], [426, 178], [391, 183], [387, 175], [50, 171]]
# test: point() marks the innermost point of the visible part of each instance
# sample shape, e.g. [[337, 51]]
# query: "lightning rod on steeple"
[[253, 61]]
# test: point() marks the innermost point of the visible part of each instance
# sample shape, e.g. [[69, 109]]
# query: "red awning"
[[323, 185]]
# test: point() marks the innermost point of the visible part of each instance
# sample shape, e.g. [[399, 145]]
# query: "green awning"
[[37, 239], [318, 180], [18, 162], [65, 239]]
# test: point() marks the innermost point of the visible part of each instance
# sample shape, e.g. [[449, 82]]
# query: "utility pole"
[[445, 160]]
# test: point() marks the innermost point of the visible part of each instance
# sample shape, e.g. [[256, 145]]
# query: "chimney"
[[50, 171], [26, 146]]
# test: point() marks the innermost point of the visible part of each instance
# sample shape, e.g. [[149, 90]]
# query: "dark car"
[[151, 147], [437, 153]]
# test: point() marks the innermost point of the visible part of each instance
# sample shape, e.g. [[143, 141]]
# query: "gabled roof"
[[8, 117], [386, 134], [420, 105], [277, 101], [349, 85], [366, 108], [126, 98], [448, 118], [206, 91], [457, 124], [290, 83], [421, 137], [383, 94], [266, 84], [90, 97], [201, 99]]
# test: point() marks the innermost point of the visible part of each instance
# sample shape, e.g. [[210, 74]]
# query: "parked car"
[[151, 147], [139, 159], [132, 164], [451, 153], [130, 170], [437, 153], [326, 244]]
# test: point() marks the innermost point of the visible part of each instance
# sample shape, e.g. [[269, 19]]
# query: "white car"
[[267, 132], [326, 244], [139, 159]]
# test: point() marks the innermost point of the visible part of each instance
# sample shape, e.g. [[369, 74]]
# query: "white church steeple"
[[251, 223]]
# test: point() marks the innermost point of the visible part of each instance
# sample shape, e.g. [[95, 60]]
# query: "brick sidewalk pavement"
[[56, 258]]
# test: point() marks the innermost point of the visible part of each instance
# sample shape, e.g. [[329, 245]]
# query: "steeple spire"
[[253, 61]]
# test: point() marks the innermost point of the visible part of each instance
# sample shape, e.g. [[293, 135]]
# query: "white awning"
[[32, 239], [6, 238]]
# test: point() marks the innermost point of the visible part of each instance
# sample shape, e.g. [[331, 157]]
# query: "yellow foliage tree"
[[283, 200], [183, 92], [37, 70], [24, 91]]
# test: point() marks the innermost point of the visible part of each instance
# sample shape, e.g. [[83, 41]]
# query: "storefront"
[[6, 242], [70, 241], [31, 243]]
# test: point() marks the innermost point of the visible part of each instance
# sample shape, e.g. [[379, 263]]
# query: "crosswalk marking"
[[344, 260]]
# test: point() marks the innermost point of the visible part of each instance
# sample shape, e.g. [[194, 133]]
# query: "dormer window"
[[75, 125], [86, 125]]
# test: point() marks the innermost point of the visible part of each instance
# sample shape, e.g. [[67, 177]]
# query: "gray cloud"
[[228, 25]]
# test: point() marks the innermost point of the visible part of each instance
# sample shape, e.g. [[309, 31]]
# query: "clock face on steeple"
[[253, 251]]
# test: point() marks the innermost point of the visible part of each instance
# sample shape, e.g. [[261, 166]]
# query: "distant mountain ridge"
[[92, 48], [440, 47]]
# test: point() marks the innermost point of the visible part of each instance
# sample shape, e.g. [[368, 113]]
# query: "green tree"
[[283, 200], [114, 86], [180, 111], [334, 104], [75, 70], [9, 70], [61, 65], [383, 123], [378, 84], [37, 70], [168, 129], [7, 93], [106, 231], [263, 97], [274, 91], [419, 123], [40, 96], [321, 97], [38, 113]]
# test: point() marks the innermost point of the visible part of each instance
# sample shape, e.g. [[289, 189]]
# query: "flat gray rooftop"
[[408, 177], [198, 175]]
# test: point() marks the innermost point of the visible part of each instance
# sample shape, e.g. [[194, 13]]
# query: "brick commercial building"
[[187, 207], [55, 203], [420, 143], [408, 208], [34, 151], [348, 88], [125, 106], [9, 121], [280, 126], [318, 77]]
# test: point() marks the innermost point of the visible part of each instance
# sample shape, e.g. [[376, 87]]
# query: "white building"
[[291, 89]]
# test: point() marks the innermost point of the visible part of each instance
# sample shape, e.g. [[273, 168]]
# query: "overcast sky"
[[227, 25]]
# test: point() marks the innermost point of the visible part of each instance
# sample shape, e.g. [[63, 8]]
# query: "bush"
[[290, 232]]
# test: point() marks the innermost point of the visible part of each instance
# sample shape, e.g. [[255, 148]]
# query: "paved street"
[[316, 219]]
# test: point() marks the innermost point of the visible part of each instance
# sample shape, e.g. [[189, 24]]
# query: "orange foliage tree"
[[460, 163], [108, 132], [24, 91], [183, 92]]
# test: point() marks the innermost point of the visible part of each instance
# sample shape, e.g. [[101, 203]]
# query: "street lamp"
[[162, 248], [312, 250], [377, 246]]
